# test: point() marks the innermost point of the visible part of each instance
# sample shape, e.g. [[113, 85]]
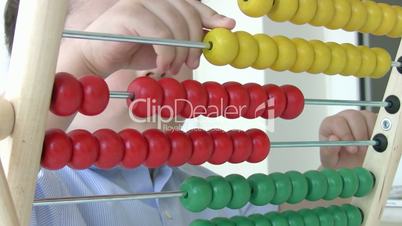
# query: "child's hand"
[[171, 19], [345, 126]]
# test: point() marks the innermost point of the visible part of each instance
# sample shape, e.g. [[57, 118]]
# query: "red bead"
[[197, 99], [258, 99], [261, 145], [148, 97], [85, 149], [242, 146], [223, 147], [181, 148], [136, 148], [57, 150], [174, 94], [276, 102], [67, 95], [158, 148], [111, 149], [218, 99], [239, 100], [203, 146], [96, 95], [295, 102]]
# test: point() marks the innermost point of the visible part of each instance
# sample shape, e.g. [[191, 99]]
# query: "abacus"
[[27, 144]]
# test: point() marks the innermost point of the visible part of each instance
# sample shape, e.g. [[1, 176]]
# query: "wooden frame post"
[[37, 40]]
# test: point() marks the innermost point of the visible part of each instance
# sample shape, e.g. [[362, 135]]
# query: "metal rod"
[[120, 95], [346, 103], [310, 144], [396, 64], [134, 39], [107, 198]]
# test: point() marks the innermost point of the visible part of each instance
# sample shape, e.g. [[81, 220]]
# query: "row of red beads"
[[153, 148]]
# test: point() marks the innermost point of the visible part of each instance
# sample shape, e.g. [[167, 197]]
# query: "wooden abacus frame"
[[38, 36]]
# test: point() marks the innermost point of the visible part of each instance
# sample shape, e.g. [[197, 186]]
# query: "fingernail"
[[352, 150], [195, 64]]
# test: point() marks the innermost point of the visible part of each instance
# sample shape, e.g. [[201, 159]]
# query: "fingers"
[[358, 125], [330, 155], [210, 18]]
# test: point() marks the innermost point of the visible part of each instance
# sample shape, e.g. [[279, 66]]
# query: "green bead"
[[198, 194], [355, 215], [299, 187], [259, 220], [366, 181], [318, 185], [221, 221], [241, 191], [350, 183], [262, 189], [309, 217], [242, 221], [339, 214], [326, 219], [294, 219], [277, 219], [221, 192], [283, 188], [201, 223], [335, 184]]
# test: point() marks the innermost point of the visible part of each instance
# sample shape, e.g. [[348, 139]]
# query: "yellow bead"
[[324, 14], [304, 56], [343, 13], [305, 12], [369, 62], [255, 8], [322, 57], [353, 59], [374, 17], [267, 52], [225, 46], [338, 59], [286, 54], [283, 10], [396, 32], [388, 19], [358, 18], [248, 50], [383, 63]]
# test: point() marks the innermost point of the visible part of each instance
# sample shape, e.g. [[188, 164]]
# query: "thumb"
[[330, 155], [210, 18]]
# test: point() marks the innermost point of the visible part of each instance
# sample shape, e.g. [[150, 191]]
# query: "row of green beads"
[[346, 215]]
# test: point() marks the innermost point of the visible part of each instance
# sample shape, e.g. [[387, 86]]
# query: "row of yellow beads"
[[351, 15], [241, 50]]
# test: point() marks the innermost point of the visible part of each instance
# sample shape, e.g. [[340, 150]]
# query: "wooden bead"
[[197, 99], [258, 97], [305, 55], [241, 191], [354, 59], [343, 13], [136, 148], [248, 50], [299, 187], [338, 59], [242, 146], [173, 96], [158, 148], [255, 8], [181, 148], [317, 185], [57, 150], [199, 194], [396, 31], [267, 52], [224, 46], [95, 95], [358, 17], [283, 10], [305, 12], [223, 147], [218, 99], [294, 102], [369, 62], [203, 146], [261, 145], [263, 188], [388, 19], [85, 149], [322, 57], [67, 95], [283, 187], [383, 62], [221, 192], [276, 103], [239, 100], [111, 149], [287, 54], [148, 96], [374, 17], [324, 14]]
